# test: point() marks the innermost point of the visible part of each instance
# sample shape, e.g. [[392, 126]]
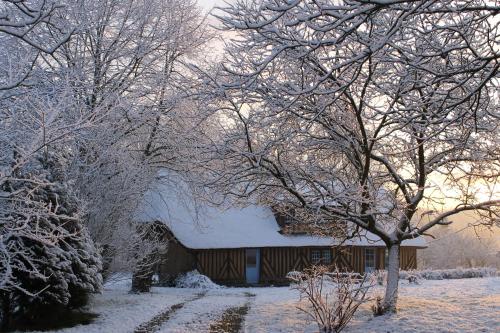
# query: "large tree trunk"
[[391, 291]]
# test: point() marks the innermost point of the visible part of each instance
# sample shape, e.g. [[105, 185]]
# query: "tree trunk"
[[142, 278], [391, 291]]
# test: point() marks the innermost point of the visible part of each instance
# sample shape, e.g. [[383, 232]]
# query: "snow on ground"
[[466, 305], [196, 316], [121, 312], [275, 310]]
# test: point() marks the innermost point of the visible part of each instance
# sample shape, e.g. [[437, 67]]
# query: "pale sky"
[[209, 3]]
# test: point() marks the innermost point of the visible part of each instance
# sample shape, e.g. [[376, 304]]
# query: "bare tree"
[[124, 65], [27, 30], [104, 104], [150, 248], [364, 112]]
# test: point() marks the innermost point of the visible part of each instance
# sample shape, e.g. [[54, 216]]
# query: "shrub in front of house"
[[445, 274]]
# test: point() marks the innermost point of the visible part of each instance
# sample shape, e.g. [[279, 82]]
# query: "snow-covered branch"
[[492, 208], [363, 112]]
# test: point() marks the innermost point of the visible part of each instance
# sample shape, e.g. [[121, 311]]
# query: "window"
[[327, 257], [386, 258], [315, 256], [288, 219], [251, 257], [369, 260], [321, 257]]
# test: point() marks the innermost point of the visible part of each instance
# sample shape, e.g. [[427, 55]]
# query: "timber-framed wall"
[[227, 266]]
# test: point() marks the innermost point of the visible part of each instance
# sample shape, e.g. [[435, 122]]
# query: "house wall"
[[276, 262], [227, 266], [408, 258], [178, 260]]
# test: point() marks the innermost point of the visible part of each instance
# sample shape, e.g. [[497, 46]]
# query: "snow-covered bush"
[[378, 306], [194, 279], [294, 276], [380, 276], [49, 263], [444, 274], [414, 276], [412, 279], [333, 297]]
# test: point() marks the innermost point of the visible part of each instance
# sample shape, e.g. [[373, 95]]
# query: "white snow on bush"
[[195, 280], [445, 274]]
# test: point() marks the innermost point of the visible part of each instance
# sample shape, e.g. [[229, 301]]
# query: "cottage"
[[240, 246]]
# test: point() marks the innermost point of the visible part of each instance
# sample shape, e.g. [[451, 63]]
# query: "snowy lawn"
[[466, 305], [120, 311], [199, 315]]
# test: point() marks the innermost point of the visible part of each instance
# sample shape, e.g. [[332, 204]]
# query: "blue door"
[[252, 265]]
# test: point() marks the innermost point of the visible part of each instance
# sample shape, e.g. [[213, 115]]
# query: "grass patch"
[[231, 320], [154, 324], [157, 321]]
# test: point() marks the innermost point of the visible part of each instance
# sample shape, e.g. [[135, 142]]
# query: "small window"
[[251, 258], [288, 219], [386, 258], [315, 256], [327, 257], [321, 257], [369, 260]]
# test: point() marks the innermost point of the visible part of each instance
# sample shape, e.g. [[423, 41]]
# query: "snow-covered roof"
[[209, 227]]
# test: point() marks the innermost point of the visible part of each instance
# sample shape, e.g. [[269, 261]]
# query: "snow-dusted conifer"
[[49, 262]]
